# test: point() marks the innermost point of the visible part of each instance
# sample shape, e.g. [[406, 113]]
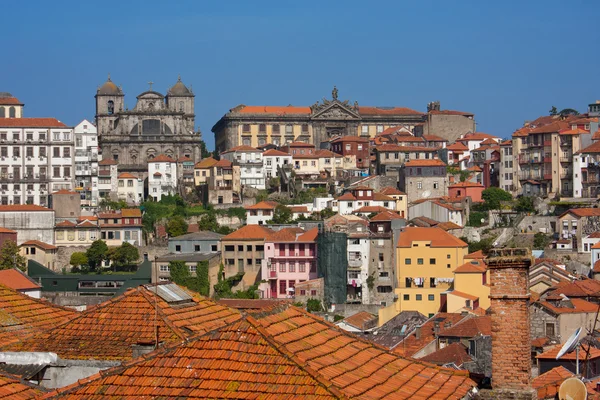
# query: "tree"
[[463, 175], [568, 111], [96, 254], [540, 241], [10, 256], [179, 272], [78, 258], [282, 215], [525, 204], [493, 196], [204, 153], [177, 226], [553, 111], [125, 254]]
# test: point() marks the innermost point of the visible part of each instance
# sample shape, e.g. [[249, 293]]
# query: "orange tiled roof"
[[470, 267], [359, 319], [241, 148], [434, 138], [346, 197], [425, 163], [298, 209], [448, 226], [392, 191], [273, 152], [579, 288], [463, 295], [506, 142], [66, 224], [466, 184], [450, 112], [6, 230], [263, 205], [40, 244], [583, 212], [161, 158], [382, 197], [131, 212], [293, 235], [10, 101], [22, 315], [458, 147], [579, 306], [475, 255], [453, 353], [22, 207], [126, 175], [31, 123], [369, 209], [64, 191], [387, 111], [576, 131], [470, 327], [223, 163], [350, 138], [283, 353], [249, 232], [107, 161], [279, 110], [17, 280], [108, 331], [13, 387], [385, 215], [436, 236], [594, 353], [548, 383], [206, 163]]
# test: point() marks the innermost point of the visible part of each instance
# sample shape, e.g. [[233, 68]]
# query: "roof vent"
[[171, 293]]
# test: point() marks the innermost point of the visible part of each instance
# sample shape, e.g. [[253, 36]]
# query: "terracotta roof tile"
[[273, 152], [278, 110], [206, 163], [22, 316], [10, 101], [263, 205], [579, 288], [385, 216], [14, 388], [436, 236], [6, 230], [548, 384], [108, 331], [107, 161], [161, 158], [463, 295], [126, 175], [583, 212], [298, 209], [448, 226], [242, 148], [387, 111], [131, 212], [40, 244], [346, 197], [434, 138], [411, 344], [475, 266], [578, 306], [31, 123], [470, 327], [65, 224], [64, 191], [392, 191], [466, 184], [249, 232], [551, 354], [455, 353], [477, 136], [223, 163], [350, 138], [17, 280], [458, 147], [425, 163], [359, 320], [369, 210], [450, 112]]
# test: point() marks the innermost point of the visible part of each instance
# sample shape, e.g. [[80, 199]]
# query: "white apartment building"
[[86, 163], [251, 165], [272, 160], [130, 188], [36, 156], [162, 177], [107, 179], [506, 166]]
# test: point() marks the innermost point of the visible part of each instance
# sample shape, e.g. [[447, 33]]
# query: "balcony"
[[272, 274], [354, 281], [523, 158], [566, 159], [548, 175], [356, 262]]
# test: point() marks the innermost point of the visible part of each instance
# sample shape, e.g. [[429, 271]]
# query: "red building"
[[464, 189], [7, 234], [353, 146]]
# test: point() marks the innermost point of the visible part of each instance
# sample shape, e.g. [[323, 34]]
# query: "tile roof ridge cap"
[[153, 301], [327, 384]]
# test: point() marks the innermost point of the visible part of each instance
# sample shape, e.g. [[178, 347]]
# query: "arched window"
[[2, 112], [12, 112], [181, 106], [111, 107]]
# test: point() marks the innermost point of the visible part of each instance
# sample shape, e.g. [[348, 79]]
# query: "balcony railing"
[[566, 159], [354, 262]]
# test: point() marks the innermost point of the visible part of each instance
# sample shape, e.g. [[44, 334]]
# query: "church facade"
[[158, 124], [317, 124]]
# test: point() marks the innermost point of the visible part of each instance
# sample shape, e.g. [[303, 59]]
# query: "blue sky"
[[506, 61]]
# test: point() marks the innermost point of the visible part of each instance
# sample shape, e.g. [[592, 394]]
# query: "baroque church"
[[157, 124]]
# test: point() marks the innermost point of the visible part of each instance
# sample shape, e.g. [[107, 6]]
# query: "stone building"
[[258, 125], [157, 124], [422, 179], [449, 124]]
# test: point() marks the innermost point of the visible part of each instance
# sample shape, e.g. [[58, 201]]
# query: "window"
[[435, 185], [419, 185], [550, 329], [419, 297], [276, 129], [364, 129], [407, 261], [67, 172], [313, 292], [384, 274], [262, 128], [29, 151], [384, 289], [379, 128], [56, 172], [246, 128], [431, 297], [432, 261], [240, 247], [282, 267], [178, 248], [56, 152], [129, 183], [419, 261], [66, 152], [304, 128], [406, 297]]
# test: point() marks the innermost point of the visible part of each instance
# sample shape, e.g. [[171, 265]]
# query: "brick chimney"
[[511, 344]]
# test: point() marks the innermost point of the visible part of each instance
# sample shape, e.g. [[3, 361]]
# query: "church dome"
[[179, 89], [109, 88]]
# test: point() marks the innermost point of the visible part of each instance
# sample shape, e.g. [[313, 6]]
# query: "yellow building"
[[202, 171], [44, 253], [400, 197], [471, 287], [425, 262]]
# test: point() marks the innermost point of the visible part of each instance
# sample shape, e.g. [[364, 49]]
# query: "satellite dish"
[[572, 389], [571, 343], [426, 194]]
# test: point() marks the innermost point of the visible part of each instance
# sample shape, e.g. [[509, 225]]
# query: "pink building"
[[466, 189], [290, 258]]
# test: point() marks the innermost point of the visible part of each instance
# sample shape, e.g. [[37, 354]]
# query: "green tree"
[[177, 226], [463, 175], [180, 273], [314, 305], [282, 215], [525, 204], [553, 111], [568, 111], [204, 153], [78, 258], [202, 278], [96, 253], [10, 256], [493, 196], [125, 254], [540, 241]]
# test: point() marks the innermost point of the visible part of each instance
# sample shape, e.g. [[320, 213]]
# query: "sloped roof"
[[6, 99], [131, 212], [282, 353], [242, 148], [387, 111], [359, 319], [14, 388], [476, 255], [475, 266], [263, 205], [279, 110], [273, 152], [579, 288], [594, 353], [347, 197], [385, 216], [108, 331], [17, 280], [434, 138], [578, 306], [126, 175], [548, 383], [425, 163], [22, 207], [107, 161], [453, 353], [22, 316], [161, 158], [392, 191], [457, 146], [369, 209], [206, 163], [438, 237], [470, 327], [249, 232], [223, 163], [31, 123], [40, 244], [466, 184], [411, 344], [583, 212]]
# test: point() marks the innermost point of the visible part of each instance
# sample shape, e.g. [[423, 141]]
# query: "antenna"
[[572, 389], [572, 344]]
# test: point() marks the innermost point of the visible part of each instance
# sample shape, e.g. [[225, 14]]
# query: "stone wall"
[[537, 223], [348, 310], [539, 318], [450, 127]]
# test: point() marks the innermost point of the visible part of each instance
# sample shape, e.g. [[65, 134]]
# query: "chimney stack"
[[511, 344], [418, 332]]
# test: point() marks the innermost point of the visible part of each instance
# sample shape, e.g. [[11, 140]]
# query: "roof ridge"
[[159, 311], [329, 386]]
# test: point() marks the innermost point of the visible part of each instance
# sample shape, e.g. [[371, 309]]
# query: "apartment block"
[[86, 163]]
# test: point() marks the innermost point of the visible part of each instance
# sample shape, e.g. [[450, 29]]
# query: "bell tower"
[[109, 103]]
